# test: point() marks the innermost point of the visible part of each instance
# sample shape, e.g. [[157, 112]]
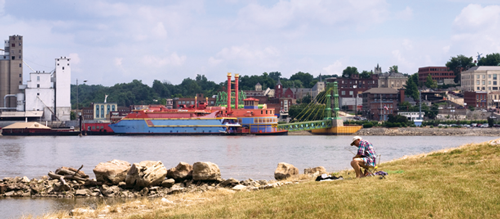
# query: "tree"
[[306, 99], [275, 75], [459, 63], [305, 78], [430, 83], [366, 74], [393, 68], [349, 71], [490, 60], [411, 89]]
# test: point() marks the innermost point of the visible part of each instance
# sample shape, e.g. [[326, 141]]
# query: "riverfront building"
[[440, 74], [481, 78], [378, 103], [11, 72]]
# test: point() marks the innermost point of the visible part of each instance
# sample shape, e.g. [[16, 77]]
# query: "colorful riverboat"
[[200, 118]]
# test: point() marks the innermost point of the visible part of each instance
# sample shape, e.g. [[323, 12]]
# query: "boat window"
[[93, 127], [262, 112]]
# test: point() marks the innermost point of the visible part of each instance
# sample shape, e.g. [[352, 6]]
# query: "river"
[[239, 157]]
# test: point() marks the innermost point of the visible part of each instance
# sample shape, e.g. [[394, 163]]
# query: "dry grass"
[[452, 183]]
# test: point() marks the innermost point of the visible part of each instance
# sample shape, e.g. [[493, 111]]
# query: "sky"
[[113, 42]]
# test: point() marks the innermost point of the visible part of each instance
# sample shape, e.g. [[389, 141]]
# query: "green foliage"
[[304, 78], [393, 68], [430, 83], [471, 108], [306, 99], [490, 122], [490, 60], [366, 74], [349, 71], [457, 63], [72, 115], [411, 87]]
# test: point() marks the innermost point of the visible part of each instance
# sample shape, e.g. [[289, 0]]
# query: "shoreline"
[[417, 131], [188, 201]]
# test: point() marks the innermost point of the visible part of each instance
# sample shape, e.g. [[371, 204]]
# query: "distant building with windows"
[[40, 94], [392, 80], [99, 111], [440, 74], [379, 103], [11, 72], [476, 99], [350, 89], [481, 78]]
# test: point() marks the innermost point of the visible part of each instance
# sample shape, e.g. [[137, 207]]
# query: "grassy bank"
[[455, 183]]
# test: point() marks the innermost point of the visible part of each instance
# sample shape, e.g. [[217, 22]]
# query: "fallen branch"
[[64, 185]]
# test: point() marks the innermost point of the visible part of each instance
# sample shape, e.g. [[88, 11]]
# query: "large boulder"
[[181, 172], [206, 171], [145, 174], [316, 171], [112, 172], [284, 171]]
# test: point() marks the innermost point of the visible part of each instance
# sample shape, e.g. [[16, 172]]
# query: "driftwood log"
[[72, 171], [64, 184], [72, 174]]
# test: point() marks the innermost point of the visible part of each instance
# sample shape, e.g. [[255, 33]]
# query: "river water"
[[239, 157]]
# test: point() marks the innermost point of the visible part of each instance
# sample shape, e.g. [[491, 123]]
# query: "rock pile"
[[118, 178]]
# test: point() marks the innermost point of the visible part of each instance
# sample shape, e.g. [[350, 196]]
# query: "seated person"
[[365, 156]]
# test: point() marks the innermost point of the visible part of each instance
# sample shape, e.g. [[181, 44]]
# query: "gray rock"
[[239, 187], [25, 179], [181, 172], [82, 192], [168, 183], [145, 174], [248, 182], [284, 171], [316, 171], [229, 183], [206, 171], [112, 172], [3, 188], [109, 191], [262, 182]]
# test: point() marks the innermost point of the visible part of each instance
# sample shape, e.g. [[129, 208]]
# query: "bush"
[[431, 126], [368, 125]]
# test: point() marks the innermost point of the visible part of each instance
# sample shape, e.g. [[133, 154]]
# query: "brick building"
[[440, 74], [378, 103], [476, 99]]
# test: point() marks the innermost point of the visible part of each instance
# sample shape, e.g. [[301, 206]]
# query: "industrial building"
[[45, 96]]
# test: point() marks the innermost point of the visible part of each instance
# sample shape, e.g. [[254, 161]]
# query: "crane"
[[24, 63]]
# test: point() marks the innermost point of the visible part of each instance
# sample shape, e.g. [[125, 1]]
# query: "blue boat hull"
[[169, 126]]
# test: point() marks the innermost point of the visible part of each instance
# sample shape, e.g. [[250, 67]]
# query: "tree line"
[[138, 93]]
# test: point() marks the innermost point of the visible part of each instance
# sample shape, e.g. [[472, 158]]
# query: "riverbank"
[[418, 131], [450, 183], [427, 131]]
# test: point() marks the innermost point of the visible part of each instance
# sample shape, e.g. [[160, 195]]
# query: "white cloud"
[[405, 14], [335, 68], [2, 5], [159, 30], [295, 13], [476, 29], [118, 62], [407, 44], [171, 60], [247, 55], [75, 59]]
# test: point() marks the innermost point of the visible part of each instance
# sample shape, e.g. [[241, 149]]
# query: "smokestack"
[[228, 92], [236, 77]]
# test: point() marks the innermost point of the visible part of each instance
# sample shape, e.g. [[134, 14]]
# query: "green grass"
[[460, 183]]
